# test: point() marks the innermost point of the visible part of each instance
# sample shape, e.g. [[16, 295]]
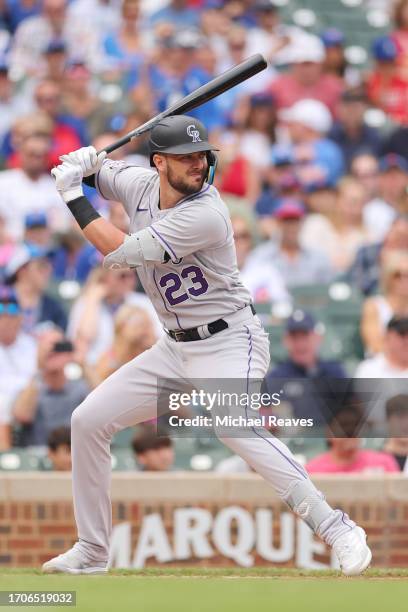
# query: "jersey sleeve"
[[121, 181], [191, 229]]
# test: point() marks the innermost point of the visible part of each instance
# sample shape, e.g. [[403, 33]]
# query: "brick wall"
[[36, 518]]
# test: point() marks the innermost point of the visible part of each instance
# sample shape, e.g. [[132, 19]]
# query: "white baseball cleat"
[[73, 562], [352, 551]]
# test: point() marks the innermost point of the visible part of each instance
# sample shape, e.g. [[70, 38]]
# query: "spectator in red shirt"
[[345, 454], [306, 78], [386, 88]]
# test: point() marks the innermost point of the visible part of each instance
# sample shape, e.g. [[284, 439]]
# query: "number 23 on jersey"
[[175, 292]]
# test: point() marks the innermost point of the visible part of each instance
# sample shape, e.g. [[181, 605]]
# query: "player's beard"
[[181, 185]]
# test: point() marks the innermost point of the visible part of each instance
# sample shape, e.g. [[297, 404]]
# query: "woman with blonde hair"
[[342, 233], [134, 334], [378, 310]]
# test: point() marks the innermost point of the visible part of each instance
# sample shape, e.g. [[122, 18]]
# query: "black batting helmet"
[[178, 134]]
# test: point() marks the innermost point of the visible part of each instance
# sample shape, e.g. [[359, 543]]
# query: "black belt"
[[191, 335]]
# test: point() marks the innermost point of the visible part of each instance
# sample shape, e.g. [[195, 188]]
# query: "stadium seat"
[[311, 297], [123, 438], [123, 460], [263, 310], [276, 348], [19, 459]]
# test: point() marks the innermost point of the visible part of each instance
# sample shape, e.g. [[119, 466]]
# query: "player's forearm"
[[105, 236], [69, 176]]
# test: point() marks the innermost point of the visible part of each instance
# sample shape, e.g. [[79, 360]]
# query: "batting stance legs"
[[129, 397]]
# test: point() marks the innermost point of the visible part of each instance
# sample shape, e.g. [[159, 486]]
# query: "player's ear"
[[159, 161]]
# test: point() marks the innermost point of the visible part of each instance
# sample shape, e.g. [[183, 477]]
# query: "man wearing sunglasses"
[[15, 372]]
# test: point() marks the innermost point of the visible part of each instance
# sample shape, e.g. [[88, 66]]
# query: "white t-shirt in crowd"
[[265, 282], [379, 367], [378, 217], [19, 195], [18, 364]]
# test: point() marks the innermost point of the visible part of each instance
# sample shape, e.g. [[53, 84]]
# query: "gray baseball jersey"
[[201, 282]]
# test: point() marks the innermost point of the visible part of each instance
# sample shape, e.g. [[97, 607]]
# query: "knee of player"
[[81, 421]]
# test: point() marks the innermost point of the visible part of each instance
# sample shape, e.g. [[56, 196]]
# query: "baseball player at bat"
[[181, 243]]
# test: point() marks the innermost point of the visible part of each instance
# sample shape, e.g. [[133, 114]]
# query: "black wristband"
[[89, 180], [83, 211]]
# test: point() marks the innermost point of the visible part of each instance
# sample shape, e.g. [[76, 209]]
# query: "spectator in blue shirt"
[[123, 46], [178, 14], [50, 398], [352, 135], [302, 376], [29, 271], [177, 75]]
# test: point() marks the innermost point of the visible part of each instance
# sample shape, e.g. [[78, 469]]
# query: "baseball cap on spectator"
[[393, 160], [398, 325], [8, 301], [262, 99], [36, 219], [310, 113], [265, 5], [384, 49], [332, 37], [300, 320], [55, 45], [117, 123], [282, 156], [21, 257], [311, 49], [318, 185], [289, 208]]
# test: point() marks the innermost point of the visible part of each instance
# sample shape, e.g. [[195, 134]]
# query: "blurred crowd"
[[313, 164]]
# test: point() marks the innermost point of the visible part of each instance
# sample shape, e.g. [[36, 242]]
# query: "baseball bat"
[[228, 79]]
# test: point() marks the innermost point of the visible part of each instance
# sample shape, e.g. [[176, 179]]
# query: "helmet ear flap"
[[212, 161]]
